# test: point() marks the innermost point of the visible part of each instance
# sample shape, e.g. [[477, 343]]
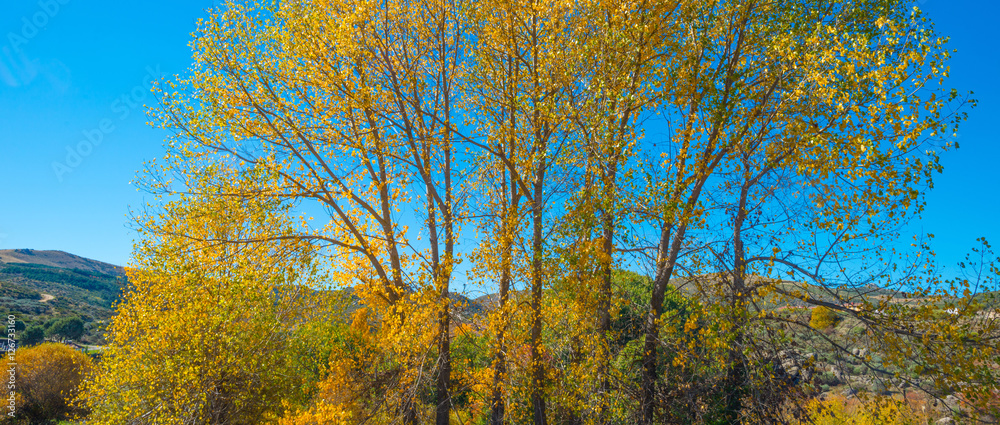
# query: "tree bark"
[[537, 369]]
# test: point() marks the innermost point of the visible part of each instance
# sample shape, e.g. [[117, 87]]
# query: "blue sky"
[[75, 70]]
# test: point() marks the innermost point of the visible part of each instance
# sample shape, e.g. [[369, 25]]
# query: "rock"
[[789, 355], [947, 404], [947, 420], [951, 401], [838, 373]]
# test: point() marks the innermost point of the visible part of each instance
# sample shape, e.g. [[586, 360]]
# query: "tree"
[[521, 75], [48, 377], [623, 52], [352, 106], [768, 99], [226, 318], [751, 154], [67, 328], [34, 334]]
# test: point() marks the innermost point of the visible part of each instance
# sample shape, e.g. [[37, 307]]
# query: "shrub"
[[47, 379], [881, 410], [822, 318]]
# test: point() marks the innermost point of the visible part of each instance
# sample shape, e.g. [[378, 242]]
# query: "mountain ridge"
[[41, 287], [60, 259]]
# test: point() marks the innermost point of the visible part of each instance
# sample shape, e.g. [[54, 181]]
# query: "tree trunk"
[[604, 310], [666, 258], [736, 371], [443, 391], [500, 358], [537, 369]]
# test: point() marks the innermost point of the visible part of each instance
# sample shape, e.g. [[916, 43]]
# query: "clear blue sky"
[[81, 70]]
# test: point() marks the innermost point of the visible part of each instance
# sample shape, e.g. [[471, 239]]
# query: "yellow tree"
[[495, 260], [623, 48], [522, 73], [218, 292], [769, 99], [352, 105], [786, 123]]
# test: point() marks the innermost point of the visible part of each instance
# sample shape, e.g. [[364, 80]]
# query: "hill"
[[58, 259], [42, 287]]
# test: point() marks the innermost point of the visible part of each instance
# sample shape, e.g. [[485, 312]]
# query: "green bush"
[[69, 328], [33, 335]]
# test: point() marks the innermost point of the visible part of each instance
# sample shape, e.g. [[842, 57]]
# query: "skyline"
[[74, 78]]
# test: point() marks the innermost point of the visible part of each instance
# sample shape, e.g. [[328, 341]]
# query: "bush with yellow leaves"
[[823, 318], [47, 377]]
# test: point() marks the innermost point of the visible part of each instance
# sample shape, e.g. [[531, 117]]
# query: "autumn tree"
[[751, 153], [621, 55], [798, 152], [207, 329], [352, 106], [521, 77], [822, 318]]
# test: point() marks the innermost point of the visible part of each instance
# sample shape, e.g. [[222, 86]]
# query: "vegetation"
[[228, 320], [822, 318], [44, 295], [837, 410], [68, 328], [32, 335], [648, 192], [48, 379]]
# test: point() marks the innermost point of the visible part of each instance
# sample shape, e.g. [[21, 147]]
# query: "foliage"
[[837, 410], [48, 377], [67, 328], [751, 158], [211, 333], [89, 295], [32, 335], [13, 290], [822, 318], [92, 281]]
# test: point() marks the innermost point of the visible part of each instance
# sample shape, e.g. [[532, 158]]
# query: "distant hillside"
[[58, 259], [40, 287]]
